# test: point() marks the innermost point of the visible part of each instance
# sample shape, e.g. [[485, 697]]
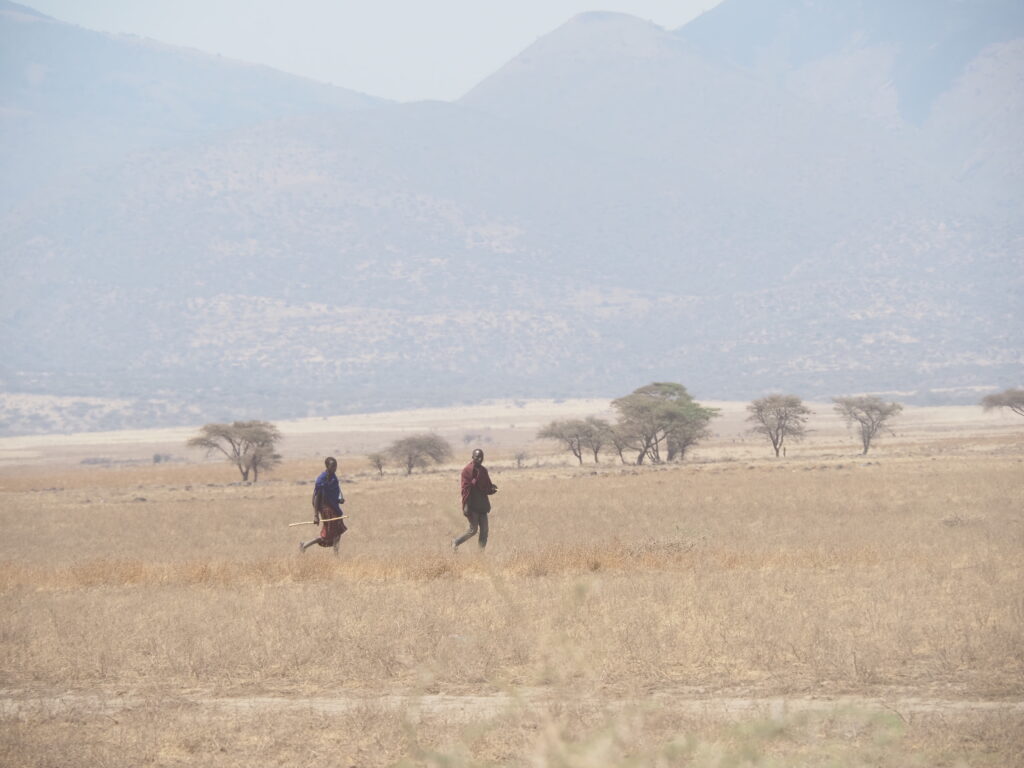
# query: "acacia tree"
[[249, 445], [1009, 398], [869, 412], [778, 417], [569, 432], [420, 451], [686, 433], [596, 435], [377, 461], [621, 439], [263, 457], [659, 416]]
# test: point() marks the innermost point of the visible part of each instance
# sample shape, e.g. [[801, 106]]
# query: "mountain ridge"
[[59, 117], [599, 218]]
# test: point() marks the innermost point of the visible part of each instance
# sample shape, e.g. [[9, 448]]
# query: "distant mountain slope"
[[425, 254], [613, 207], [71, 98], [927, 44], [945, 73], [622, 85], [974, 128]]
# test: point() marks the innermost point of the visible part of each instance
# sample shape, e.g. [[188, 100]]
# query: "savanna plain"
[[822, 609]]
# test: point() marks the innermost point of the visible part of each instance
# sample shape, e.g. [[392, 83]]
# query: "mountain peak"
[[599, 34], [609, 17], [584, 41], [609, 33]]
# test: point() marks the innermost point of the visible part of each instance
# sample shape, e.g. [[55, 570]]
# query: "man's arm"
[[482, 480], [318, 493]]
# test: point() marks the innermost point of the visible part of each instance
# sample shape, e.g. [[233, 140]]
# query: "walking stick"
[[310, 522]]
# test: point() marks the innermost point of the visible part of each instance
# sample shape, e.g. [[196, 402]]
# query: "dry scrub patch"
[[822, 577]]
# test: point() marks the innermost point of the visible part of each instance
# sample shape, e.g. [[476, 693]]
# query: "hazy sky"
[[398, 49]]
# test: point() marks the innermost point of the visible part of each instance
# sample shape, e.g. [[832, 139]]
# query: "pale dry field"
[[825, 609]]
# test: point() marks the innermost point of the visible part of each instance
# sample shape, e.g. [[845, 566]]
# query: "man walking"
[[327, 501], [476, 487]]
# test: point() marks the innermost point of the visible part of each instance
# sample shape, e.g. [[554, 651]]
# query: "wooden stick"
[[310, 522]]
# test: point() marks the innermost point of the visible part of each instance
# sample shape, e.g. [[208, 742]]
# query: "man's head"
[[332, 464], [478, 456]]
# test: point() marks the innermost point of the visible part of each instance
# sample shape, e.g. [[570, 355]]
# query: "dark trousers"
[[477, 522]]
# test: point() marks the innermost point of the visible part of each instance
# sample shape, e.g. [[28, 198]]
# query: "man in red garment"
[[476, 487]]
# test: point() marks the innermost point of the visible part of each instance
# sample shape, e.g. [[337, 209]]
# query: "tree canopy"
[[778, 417], [568, 432], [868, 412], [1008, 398], [249, 445], [579, 435], [597, 435], [377, 460], [661, 421], [419, 451]]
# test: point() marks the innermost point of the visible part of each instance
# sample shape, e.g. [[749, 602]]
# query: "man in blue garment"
[[327, 501]]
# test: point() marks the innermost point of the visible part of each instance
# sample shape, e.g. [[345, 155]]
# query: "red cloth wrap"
[[331, 531], [475, 478]]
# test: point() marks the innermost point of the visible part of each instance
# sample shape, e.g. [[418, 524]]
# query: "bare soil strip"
[[468, 708]]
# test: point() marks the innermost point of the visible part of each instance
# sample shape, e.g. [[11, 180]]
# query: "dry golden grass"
[[171, 732], [610, 599]]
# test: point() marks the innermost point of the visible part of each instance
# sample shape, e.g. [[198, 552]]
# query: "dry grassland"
[[829, 609]]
